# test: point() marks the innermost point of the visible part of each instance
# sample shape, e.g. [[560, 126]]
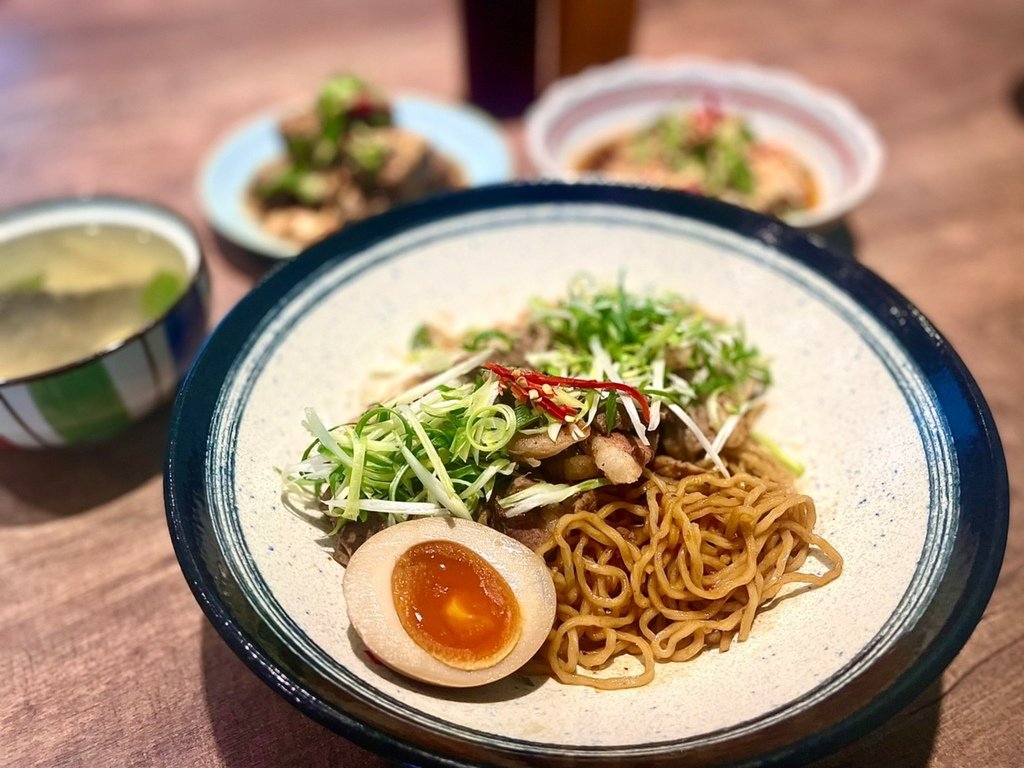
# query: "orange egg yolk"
[[455, 605]]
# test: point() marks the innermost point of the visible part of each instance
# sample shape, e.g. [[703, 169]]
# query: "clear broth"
[[71, 292]]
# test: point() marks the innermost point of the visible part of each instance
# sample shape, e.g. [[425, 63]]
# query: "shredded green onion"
[[776, 450], [441, 447], [543, 494], [661, 345], [440, 452]]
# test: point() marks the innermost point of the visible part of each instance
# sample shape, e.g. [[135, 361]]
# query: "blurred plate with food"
[[288, 178], [755, 137]]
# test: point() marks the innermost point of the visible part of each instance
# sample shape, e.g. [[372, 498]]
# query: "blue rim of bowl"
[[983, 509], [269, 246], [200, 273]]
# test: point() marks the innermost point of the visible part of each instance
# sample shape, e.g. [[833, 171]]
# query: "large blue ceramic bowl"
[[901, 455]]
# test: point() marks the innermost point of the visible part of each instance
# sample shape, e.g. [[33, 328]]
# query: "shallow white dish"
[[901, 453], [838, 144], [465, 135]]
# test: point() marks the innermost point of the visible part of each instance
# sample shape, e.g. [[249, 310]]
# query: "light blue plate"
[[467, 136]]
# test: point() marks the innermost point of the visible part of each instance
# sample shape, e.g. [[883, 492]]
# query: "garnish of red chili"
[[536, 388], [363, 108], [706, 117]]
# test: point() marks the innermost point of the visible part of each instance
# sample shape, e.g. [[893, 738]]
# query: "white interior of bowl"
[[841, 403], [580, 113], [85, 212]]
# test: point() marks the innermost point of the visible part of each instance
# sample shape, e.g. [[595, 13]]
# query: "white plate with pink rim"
[[901, 455], [836, 142]]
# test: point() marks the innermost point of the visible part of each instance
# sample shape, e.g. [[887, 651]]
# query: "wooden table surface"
[[105, 658]]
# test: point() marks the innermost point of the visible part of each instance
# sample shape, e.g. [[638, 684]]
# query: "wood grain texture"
[[105, 657]]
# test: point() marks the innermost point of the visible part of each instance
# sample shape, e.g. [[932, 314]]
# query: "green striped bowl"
[[96, 397]]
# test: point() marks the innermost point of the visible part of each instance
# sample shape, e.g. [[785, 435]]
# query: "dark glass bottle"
[[499, 45]]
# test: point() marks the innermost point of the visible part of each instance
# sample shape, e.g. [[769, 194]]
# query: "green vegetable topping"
[[710, 147], [443, 446], [367, 152], [31, 284], [332, 134], [160, 293], [441, 452], [662, 346], [307, 187]]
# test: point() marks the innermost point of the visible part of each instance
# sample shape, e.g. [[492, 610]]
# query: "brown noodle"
[[667, 567]]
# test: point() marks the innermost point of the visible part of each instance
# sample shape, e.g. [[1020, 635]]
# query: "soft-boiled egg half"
[[449, 601]]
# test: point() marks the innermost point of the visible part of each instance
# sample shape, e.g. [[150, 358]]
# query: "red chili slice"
[[528, 386]]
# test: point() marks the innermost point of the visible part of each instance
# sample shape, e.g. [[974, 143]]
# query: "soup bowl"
[[826, 133], [96, 396]]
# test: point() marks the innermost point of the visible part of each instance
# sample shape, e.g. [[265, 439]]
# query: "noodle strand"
[[665, 569]]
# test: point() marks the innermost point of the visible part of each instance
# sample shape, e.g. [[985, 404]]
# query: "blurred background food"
[[287, 177], [707, 152], [345, 160], [752, 136]]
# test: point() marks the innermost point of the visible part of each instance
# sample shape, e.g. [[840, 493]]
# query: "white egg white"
[[371, 606]]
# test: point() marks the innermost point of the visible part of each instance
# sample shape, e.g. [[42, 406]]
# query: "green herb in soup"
[[71, 292]]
